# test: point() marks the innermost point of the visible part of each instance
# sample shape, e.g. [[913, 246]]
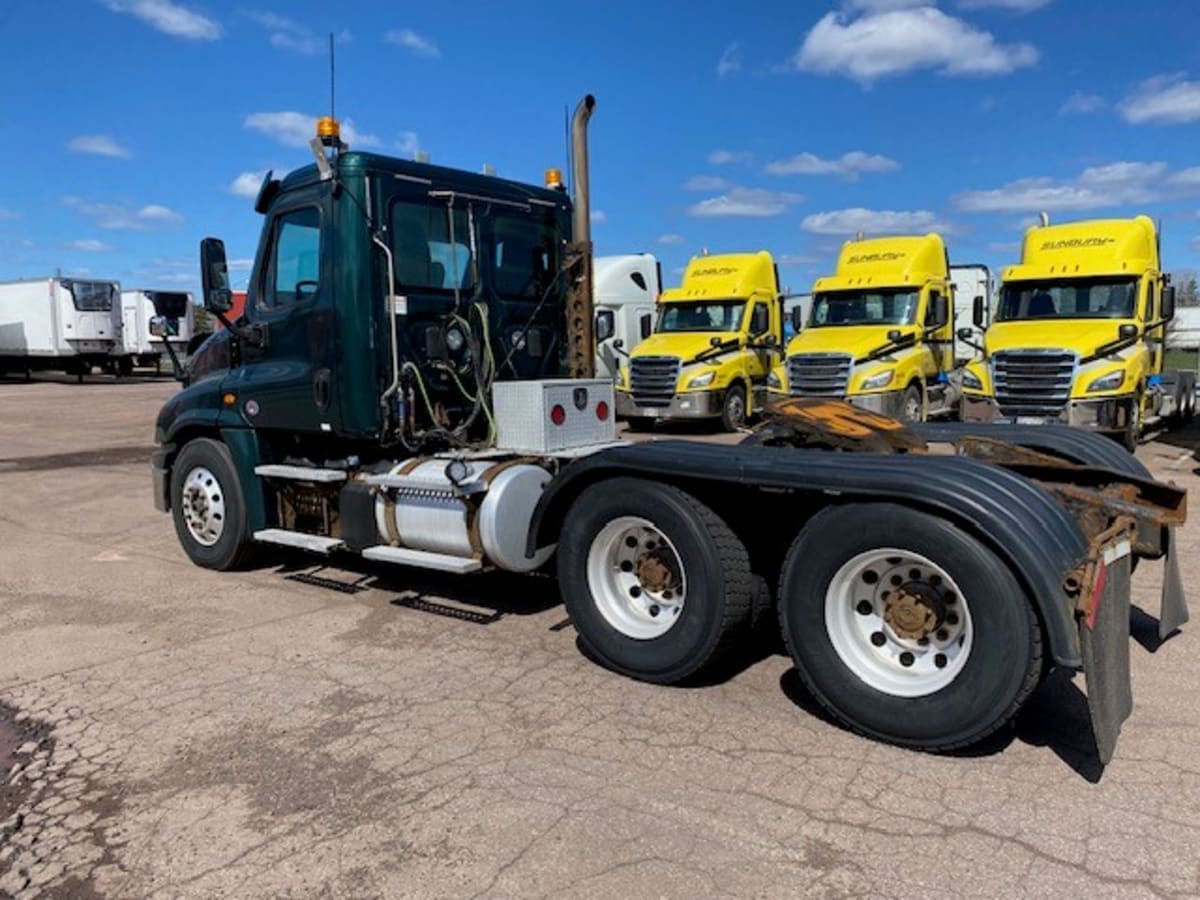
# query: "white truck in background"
[[626, 289], [62, 324], [972, 285], [138, 308]]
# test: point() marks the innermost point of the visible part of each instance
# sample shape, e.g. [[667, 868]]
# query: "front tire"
[[733, 409], [656, 584], [1133, 430], [907, 629], [912, 406], [208, 507]]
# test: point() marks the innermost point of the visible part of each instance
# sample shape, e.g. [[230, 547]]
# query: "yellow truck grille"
[[652, 379], [819, 374], [1033, 382]]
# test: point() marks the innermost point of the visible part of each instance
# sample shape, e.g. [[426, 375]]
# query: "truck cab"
[[1079, 333], [879, 334], [626, 289], [716, 338]]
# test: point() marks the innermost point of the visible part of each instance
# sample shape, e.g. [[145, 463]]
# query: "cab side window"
[[931, 309], [1152, 311], [760, 319], [294, 270]]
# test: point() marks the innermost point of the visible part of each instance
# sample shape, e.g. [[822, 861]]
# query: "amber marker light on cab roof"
[[554, 179]]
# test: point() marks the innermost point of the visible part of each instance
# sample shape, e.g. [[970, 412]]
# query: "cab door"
[[289, 375], [759, 358], [939, 343]]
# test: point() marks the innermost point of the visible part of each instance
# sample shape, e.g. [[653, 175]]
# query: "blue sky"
[[136, 127]]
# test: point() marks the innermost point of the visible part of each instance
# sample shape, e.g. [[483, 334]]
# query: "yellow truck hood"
[[1080, 335], [857, 340], [683, 344]]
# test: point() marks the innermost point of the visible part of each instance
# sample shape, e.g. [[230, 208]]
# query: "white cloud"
[[599, 217], [730, 61], [288, 34], [891, 41], [169, 18], [247, 184], [8, 215], [117, 217], [295, 129], [416, 44], [744, 203], [848, 165], [1163, 100], [1080, 103], [724, 157], [98, 145], [671, 240], [705, 183], [1096, 187], [1189, 177], [408, 143], [1015, 5], [240, 265], [873, 222], [797, 259], [89, 245]]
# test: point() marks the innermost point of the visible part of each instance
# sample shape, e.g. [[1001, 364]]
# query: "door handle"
[[321, 388]]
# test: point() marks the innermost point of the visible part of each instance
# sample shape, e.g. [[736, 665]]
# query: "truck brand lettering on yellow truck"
[[712, 348], [1079, 334], [880, 336]]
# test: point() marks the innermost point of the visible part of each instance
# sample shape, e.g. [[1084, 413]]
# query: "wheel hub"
[[636, 578], [913, 611], [653, 573]]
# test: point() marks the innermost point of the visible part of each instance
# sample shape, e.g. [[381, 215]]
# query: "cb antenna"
[[332, 108]]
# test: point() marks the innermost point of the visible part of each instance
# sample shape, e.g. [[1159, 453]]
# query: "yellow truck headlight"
[[774, 382], [971, 381], [879, 380], [1109, 382], [703, 380]]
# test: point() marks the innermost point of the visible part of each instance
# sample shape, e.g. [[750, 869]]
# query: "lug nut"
[[914, 574], [865, 608], [870, 577], [951, 618], [942, 634], [896, 580], [878, 639], [935, 580], [940, 660], [631, 541], [907, 659], [654, 610], [635, 592], [626, 566]]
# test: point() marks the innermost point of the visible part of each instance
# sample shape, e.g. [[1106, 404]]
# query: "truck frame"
[[921, 595]]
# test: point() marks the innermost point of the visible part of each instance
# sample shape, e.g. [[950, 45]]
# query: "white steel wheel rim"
[[203, 503], [906, 638], [636, 578], [912, 407], [736, 407]]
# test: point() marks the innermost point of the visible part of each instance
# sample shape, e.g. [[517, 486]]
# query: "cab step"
[[314, 543], [301, 473], [423, 559]]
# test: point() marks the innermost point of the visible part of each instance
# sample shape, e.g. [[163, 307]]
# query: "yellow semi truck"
[[880, 333], [716, 339], [1079, 334]]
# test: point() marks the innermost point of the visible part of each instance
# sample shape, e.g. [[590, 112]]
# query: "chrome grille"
[[819, 374], [1033, 382], [652, 379]]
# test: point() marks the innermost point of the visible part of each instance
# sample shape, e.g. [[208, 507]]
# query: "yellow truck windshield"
[[701, 315], [897, 307], [1094, 298]]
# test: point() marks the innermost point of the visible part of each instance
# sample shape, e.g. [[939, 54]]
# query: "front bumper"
[[689, 405], [1110, 414], [887, 403], [160, 475]]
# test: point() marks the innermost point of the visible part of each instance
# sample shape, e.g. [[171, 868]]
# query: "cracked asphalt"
[[297, 732]]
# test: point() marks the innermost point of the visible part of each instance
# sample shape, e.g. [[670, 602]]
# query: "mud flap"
[[1173, 612], [1104, 639]]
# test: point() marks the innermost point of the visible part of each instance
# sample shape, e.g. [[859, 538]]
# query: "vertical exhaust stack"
[[581, 346]]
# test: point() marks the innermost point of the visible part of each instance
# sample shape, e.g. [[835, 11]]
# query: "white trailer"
[[626, 288], [65, 324], [969, 282], [138, 308]]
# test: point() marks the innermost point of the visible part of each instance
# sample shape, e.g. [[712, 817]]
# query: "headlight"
[[883, 379], [703, 380], [971, 380], [1109, 382], [455, 339], [774, 382]]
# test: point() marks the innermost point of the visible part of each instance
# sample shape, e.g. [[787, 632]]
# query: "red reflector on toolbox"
[[558, 415], [602, 411]]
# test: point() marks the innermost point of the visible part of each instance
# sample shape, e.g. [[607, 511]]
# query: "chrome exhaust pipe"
[[581, 342]]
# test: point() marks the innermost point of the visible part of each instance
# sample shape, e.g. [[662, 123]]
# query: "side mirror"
[[979, 316], [1127, 332], [941, 311], [214, 276], [894, 336], [1168, 303], [798, 318], [715, 342], [760, 320], [618, 343], [605, 325], [966, 334], [770, 340]]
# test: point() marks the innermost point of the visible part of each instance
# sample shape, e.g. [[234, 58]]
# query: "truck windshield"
[[898, 307], [91, 296], [701, 315], [1093, 298]]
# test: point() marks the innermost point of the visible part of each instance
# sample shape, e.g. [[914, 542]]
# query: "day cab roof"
[[726, 276], [1087, 248], [354, 163], [888, 262]]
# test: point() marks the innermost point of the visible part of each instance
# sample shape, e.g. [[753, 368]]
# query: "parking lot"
[[304, 731]]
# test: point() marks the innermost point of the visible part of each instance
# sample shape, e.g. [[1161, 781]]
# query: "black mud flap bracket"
[[1173, 612], [1104, 641]]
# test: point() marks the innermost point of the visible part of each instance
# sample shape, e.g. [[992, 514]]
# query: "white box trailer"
[[626, 288], [64, 324], [969, 282], [138, 307]]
